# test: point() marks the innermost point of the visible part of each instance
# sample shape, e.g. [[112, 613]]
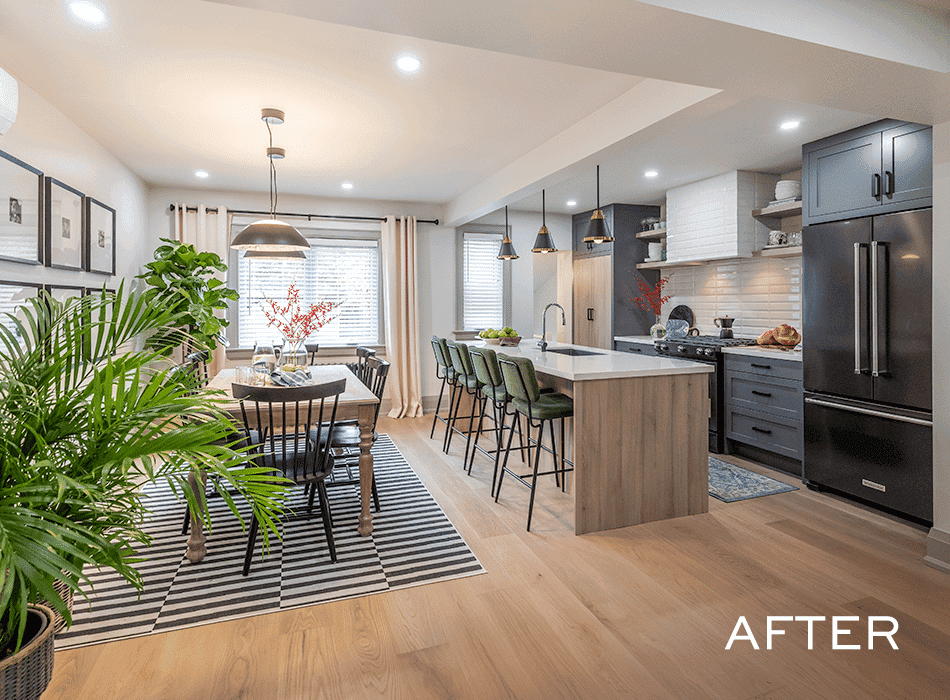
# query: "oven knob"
[[709, 351], [680, 348], [663, 347], [699, 351]]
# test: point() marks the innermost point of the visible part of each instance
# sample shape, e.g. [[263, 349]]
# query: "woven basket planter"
[[25, 675], [66, 593]]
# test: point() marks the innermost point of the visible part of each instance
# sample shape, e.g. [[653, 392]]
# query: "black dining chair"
[[294, 422], [345, 436], [359, 367], [313, 349]]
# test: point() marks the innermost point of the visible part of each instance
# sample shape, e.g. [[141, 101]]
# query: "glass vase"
[[657, 330], [293, 355]]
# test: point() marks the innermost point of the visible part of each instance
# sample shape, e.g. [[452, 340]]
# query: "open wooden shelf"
[[779, 211], [653, 235], [664, 264], [783, 252]]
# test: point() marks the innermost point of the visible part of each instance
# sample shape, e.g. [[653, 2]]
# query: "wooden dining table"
[[356, 402]]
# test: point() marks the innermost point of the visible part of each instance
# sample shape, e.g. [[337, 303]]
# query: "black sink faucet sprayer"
[[544, 324]]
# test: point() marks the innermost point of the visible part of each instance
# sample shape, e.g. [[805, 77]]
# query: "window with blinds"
[[343, 270], [483, 282]]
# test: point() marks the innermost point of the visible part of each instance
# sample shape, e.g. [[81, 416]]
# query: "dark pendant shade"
[[270, 235], [544, 243], [275, 255], [507, 250], [598, 231]]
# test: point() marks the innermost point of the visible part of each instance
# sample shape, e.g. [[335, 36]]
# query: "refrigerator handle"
[[858, 369], [869, 412], [876, 369]]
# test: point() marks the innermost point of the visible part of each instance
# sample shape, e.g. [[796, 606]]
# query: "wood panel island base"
[[640, 433]]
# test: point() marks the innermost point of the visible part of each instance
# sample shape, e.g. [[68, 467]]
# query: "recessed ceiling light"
[[87, 12], [347, 185], [572, 203], [201, 173], [408, 63], [791, 124], [650, 173]]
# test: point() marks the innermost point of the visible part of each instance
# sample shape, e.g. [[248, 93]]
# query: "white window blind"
[[336, 269], [483, 302]]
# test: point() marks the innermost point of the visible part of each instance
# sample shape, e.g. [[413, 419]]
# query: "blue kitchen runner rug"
[[730, 483], [413, 543]]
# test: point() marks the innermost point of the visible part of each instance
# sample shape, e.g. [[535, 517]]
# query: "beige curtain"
[[208, 230], [402, 313]]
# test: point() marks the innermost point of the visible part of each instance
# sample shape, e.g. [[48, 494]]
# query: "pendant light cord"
[[598, 187], [273, 173], [543, 221]]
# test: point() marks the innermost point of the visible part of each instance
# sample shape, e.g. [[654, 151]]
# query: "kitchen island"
[[639, 432]]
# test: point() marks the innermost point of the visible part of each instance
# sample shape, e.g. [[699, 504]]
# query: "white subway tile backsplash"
[[760, 293]]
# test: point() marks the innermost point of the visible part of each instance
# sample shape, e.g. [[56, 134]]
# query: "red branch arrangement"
[[292, 321], [652, 298]]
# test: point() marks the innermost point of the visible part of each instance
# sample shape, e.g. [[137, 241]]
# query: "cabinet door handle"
[[761, 366], [762, 430], [876, 185], [635, 349], [762, 393], [590, 314], [888, 183]]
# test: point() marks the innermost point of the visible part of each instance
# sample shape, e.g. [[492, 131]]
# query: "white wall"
[[436, 247], [44, 138], [524, 229]]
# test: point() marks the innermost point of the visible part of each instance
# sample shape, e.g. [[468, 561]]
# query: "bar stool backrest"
[[461, 358], [520, 379], [487, 369], [441, 351]]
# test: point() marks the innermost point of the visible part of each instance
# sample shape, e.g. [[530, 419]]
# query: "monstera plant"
[[85, 420], [183, 280]]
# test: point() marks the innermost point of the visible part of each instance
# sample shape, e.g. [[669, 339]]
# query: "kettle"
[[725, 323]]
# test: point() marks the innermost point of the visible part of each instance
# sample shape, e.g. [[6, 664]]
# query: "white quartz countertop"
[[760, 351], [648, 339], [606, 364]]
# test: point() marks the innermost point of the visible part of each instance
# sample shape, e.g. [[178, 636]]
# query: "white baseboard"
[[938, 550]]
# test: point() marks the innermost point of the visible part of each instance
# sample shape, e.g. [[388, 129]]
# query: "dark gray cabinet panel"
[[875, 169], [780, 397], [764, 366], [645, 349], [908, 164], [768, 432]]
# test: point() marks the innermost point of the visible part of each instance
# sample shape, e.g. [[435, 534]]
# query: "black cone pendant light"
[[598, 231], [271, 235], [507, 250], [543, 243]]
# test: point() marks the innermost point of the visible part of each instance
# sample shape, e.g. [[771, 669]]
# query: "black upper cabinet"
[[883, 167]]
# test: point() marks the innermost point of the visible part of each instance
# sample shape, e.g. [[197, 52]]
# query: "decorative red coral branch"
[[292, 321], [652, 298]]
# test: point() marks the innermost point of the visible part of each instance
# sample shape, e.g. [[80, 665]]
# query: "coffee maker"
[[725, 324]]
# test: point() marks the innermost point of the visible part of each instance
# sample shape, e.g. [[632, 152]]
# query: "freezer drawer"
[[871, 452]]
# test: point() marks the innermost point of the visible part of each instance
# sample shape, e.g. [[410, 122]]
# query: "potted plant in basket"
[[652, 299], [77, 439]]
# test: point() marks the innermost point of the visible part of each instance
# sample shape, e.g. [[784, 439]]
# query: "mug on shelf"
[[778, 238], [795, 238]]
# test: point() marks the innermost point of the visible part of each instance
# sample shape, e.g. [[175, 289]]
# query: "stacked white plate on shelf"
[[788, 189]]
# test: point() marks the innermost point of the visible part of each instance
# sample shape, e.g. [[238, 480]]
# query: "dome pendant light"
[[274, 255], [271, 235], [507, 250], [543, 243], [598, 231]]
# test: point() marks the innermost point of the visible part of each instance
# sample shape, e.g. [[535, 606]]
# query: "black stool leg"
[[558, 477], [327, 525], [478, 434], [250, 546], [375, 495], [471, 425], [184, 525], [563, 470], [534, 476], [499, 439], [455, 416], [521, 437], [504, 464], [438, 405]]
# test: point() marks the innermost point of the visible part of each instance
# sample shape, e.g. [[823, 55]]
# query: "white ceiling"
[[170, 87], [174, 86]]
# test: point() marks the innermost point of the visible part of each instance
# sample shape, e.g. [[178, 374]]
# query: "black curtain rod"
[[308, 217]]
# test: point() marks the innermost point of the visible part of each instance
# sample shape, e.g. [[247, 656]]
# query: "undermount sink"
[[574, 352]]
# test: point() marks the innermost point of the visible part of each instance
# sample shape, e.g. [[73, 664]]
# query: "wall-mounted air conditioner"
[[9, 96]]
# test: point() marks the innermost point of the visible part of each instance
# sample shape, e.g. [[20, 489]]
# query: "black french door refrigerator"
[[866, 359]]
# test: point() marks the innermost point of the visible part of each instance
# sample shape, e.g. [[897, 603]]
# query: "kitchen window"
[[484, 280], [341, 266]]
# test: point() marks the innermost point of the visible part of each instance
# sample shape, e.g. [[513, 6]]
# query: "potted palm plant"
[[78, 437]]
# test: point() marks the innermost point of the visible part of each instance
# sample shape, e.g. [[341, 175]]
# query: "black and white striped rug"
[[412, 543]]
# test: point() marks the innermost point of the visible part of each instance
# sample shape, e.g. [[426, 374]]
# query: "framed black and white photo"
[[100, 237], [64, 226], [12, 296], [65, 292], [21, 221]]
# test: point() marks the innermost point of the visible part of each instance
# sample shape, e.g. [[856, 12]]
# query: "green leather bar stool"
[[467, 383], [537, 408], [488, 372], [445, 372]]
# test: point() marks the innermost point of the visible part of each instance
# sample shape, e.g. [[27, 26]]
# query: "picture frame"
[[99, 237], [13, 295], [93, 342], [64, 292], [64, 225], [21, 211]]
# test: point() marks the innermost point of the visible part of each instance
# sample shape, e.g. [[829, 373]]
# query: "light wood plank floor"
[[643, 612]]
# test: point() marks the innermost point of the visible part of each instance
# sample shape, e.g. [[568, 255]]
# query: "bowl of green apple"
[[506, 336]]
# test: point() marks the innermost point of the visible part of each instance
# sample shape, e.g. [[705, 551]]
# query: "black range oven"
[[708, 350]]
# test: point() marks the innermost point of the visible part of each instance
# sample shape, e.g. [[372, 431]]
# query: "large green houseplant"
[[183, 279], [78, 437]]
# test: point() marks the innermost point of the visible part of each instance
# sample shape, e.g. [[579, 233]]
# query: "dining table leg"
[[367, 415], [197, 538]]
